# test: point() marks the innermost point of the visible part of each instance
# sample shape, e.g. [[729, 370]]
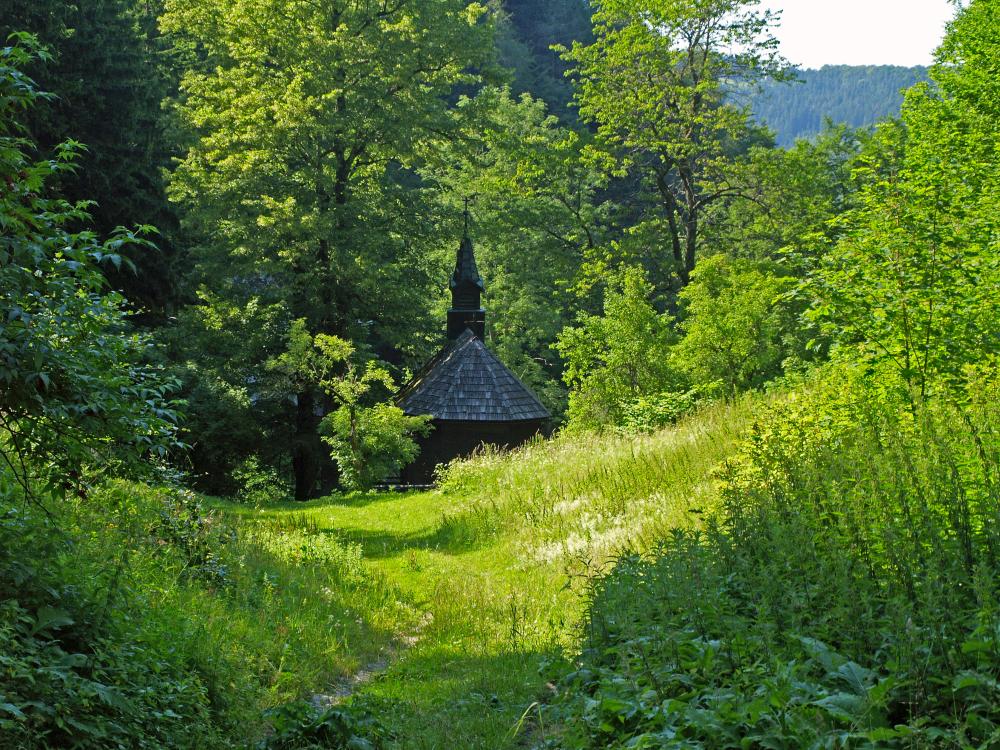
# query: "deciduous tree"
[[304, 116], [660, 82], [913, 282], [616, 358]]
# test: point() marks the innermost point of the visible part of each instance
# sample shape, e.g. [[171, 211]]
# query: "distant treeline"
[[858, 95]]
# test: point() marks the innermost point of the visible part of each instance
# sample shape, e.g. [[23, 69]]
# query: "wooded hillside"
[[856, 95]]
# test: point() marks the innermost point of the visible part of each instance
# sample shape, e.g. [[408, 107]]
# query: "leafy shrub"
[[659, 410], [303, 726], [73, 674], [199, 536], [369, 442], [372, 444], [737, 320], [77, 400], [844, 595], [618, 357], [258, 485]]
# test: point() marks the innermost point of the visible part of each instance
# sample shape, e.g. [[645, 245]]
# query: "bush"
[[71, 672], [618, 357], [845, 594], [303, 726], [659, 410], [372, 444], [78, 402], [736, 324], [258, 485]]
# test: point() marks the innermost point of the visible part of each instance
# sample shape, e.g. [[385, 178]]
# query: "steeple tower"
[[466, 287], [472, 398]]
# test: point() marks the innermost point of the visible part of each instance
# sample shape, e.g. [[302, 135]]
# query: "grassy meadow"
[[448, 615], [791, 568], [467, 599]]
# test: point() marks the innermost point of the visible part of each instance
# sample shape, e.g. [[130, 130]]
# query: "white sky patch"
[[815, 33]]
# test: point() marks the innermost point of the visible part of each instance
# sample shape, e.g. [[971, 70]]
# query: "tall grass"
[[592, 494], [843, 593], [264, 611]]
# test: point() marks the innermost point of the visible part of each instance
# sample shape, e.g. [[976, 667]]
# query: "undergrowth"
[[137, 617], [843, 594]]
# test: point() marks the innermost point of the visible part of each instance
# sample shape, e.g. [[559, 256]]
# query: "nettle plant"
[[77, 402]]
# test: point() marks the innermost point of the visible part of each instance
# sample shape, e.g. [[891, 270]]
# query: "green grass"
[[482, 571], [274, 609], [843, 595]]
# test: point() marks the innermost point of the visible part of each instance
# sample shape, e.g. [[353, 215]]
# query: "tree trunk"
[[692, 206], [691, 245], [305, 448]]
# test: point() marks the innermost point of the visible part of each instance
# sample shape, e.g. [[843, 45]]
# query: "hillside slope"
[[859, 95], [489, 565]]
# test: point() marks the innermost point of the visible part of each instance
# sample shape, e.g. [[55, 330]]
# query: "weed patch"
[[843, 595]]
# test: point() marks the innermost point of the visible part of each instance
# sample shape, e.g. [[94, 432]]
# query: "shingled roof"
[[465, 382]]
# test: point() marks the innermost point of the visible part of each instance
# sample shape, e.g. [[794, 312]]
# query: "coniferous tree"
[[856, 95], [109, 75]]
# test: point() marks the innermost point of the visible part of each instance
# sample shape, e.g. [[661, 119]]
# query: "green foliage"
[[109, 74], [76, 399], [616, 358], [655, 82], [843, 595], [196, 537], [912, 280], [372, 444], [303, 726], [258, 485], [72, 673], [235, 409], [736, 322], [658, 410], [797, 193]]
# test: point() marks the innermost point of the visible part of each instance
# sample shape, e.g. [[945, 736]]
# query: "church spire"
[[466, 288]]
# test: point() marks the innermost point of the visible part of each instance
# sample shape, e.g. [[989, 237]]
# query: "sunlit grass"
[[591, 495], [484, 568]]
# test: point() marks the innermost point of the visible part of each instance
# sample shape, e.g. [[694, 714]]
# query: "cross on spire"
[[467, 199]]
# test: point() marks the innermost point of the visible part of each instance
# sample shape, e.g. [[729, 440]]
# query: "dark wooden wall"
[[454, 439]]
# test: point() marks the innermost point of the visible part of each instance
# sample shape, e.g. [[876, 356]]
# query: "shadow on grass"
[[348, 500], [352, 500], [447, 537], [438, 698], [383, 543]]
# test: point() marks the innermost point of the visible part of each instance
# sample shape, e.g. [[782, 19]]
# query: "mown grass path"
[[472, 584], [466, 665]]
